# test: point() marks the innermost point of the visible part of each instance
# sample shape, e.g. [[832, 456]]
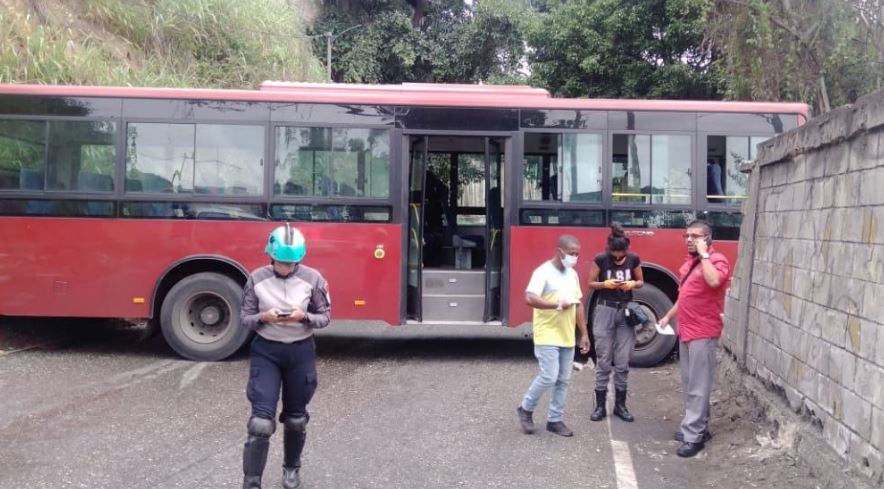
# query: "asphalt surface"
[[91, 406]]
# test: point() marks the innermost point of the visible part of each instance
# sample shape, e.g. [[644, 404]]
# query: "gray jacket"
[[304, 288]]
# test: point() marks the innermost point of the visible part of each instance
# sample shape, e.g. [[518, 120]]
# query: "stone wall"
[[805, 310]]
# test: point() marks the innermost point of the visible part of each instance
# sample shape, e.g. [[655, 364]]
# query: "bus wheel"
[[651, 348], [200, 317]]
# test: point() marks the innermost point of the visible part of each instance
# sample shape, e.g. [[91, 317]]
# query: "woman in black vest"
[[614, 274]]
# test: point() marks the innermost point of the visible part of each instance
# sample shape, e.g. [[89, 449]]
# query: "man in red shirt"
[[704, 278]]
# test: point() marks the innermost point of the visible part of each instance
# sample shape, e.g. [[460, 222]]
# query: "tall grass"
[[201, 43]]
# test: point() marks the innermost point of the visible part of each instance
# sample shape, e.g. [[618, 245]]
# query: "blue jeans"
[[555, 372]]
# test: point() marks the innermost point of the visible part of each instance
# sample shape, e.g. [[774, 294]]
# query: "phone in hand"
[[284, 314]]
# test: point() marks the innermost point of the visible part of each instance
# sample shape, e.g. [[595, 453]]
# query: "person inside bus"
[[554, 293], [283, 303], [614, 274]]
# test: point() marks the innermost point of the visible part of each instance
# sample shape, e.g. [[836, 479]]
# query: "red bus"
[[424, 204]]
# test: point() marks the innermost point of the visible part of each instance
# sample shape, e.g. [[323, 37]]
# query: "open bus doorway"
[[455, 229]]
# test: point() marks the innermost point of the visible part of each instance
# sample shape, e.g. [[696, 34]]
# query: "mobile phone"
[[283, 314]]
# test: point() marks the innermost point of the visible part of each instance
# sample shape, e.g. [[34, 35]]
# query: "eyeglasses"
[[693, 236]]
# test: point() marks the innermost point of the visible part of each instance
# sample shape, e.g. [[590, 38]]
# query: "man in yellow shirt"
[[554, 293]]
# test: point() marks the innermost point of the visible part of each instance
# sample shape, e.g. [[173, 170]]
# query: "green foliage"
[[455, 42], [214, 43], [614, 48], [824, 53]]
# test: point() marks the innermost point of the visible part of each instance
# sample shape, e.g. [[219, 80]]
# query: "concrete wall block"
[[857, 412], [781, 173], [842, 365], [812, 319], [874, 226], [828, 193], [797, 169], [879, 343], [816, 165], [816, 194], [837, 435], [825, 390], [838, 260], [837, 159], [877, 433], [873, 302], [851, 220], [847, 189], [866, 263], [847, 293], [869, 185], [864, 152], [817, 354], [834, 324], [766, 177], [807, 230], [802, 283], [868, 381], [822, 287], [868, 337]]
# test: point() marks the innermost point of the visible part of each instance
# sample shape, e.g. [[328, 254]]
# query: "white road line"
[[192, 374], [622, 459]]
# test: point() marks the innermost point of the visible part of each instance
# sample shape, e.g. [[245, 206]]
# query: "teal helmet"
[[286, 245]]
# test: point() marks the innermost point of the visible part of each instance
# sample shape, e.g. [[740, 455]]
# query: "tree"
[[825, 53], [418, 41], [622, 48]]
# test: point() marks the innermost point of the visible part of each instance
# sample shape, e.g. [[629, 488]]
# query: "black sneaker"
[[679, 436], [559, 428], [526, 420], [688, 449]]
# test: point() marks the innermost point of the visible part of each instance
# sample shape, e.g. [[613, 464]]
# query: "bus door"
[[414, 262], [455, 229], [493, 227]]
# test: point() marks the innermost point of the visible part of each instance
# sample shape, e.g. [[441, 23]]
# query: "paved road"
[[410, 408]]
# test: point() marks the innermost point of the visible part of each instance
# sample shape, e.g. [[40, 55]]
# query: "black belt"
[[614, 304]]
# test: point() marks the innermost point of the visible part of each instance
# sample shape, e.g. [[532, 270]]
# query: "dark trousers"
[[291, 366]]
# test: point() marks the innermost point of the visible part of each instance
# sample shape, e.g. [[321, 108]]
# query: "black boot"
[[620, 406], [601, 398], [295, 435], [254, 455]]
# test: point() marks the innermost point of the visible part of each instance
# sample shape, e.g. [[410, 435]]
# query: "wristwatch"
[[704, 256]]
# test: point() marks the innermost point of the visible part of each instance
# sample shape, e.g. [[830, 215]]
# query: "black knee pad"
[[262, 427], [296, 423]]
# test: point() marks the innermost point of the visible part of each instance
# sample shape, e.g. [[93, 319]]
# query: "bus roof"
[[414, 94]]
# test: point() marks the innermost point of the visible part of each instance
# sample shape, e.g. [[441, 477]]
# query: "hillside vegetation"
[[195, 43]]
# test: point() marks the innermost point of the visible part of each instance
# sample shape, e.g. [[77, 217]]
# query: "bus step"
[[451, 307], [456, 282]]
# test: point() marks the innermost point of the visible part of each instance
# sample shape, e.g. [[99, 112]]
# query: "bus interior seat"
[[95, 182], [31, 179]]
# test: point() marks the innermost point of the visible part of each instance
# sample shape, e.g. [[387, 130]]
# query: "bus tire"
[[200, 317], [651, 348]]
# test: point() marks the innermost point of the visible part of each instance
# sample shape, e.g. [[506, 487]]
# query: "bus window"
[[345, 162], [159, 157], [654, 219], [22, 149], [651, 169], [81, 156], [725, 183], [228, 160], [562, 167], [212, 159]]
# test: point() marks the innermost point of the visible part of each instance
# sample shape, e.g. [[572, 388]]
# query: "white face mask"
[[570, 261]]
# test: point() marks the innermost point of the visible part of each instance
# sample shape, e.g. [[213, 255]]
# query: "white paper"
[[667, 330]]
